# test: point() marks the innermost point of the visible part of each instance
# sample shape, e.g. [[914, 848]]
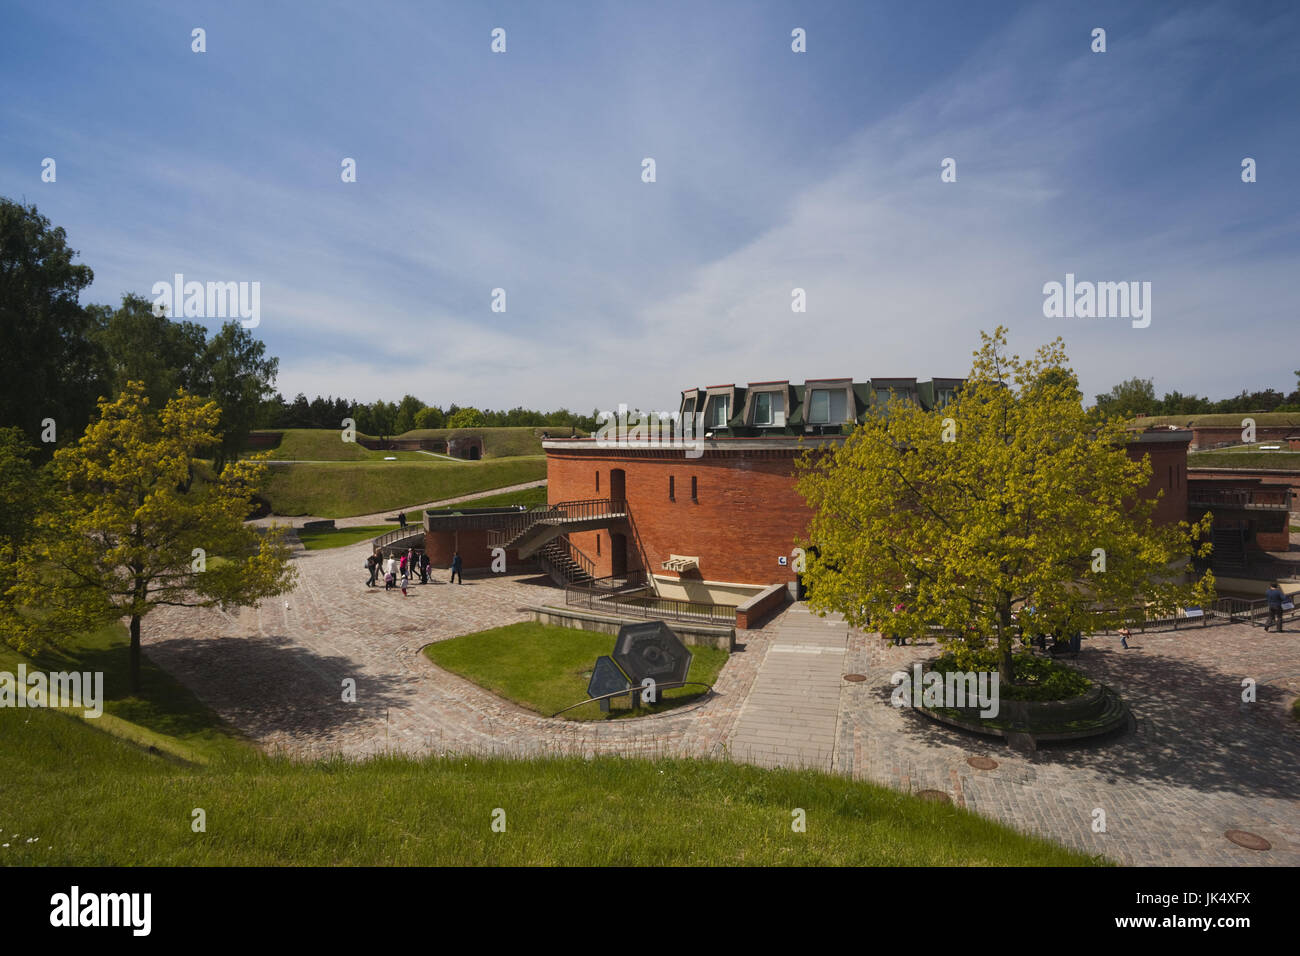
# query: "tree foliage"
[[127, 532], [960, 517]]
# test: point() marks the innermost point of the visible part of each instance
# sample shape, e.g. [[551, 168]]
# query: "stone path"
[[1199, 763], [790, 715]]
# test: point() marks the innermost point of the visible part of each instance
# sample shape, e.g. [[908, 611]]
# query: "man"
[[424, 567], [1275, 597], [372, 564], [401, 518], [455, 569]]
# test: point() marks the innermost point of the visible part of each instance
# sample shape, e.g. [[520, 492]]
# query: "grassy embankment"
[[89, 798]]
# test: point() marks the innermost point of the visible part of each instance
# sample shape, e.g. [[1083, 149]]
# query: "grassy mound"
[[357, 488]]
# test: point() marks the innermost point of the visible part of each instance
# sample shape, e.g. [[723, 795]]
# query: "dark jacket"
[[1275, 597], [455, 563]]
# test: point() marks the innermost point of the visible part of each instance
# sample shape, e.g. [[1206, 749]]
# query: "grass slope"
[[355, 488], [91, 800], [546, 668], [1222, 418], [506, 442]]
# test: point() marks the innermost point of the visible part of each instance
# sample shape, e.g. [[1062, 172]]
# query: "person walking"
[[401, 565], [405, 580], [424, 567], [1124, 635], [1275, 597], [401, 519], [455, 569], [372, 565]]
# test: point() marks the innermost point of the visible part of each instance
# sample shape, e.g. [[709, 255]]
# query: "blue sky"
[[775, 170]]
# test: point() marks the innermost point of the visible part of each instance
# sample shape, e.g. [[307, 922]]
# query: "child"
[[404, 582], [1124, 635], [388, 581]]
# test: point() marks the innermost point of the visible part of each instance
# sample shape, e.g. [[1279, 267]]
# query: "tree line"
[[1137, 396]]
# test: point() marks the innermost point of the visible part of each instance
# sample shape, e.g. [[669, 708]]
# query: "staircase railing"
[[579, 510], [563, 546], [397, 534]]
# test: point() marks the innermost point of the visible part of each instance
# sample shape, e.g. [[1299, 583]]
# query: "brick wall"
[[473, 547], [1168, 475]]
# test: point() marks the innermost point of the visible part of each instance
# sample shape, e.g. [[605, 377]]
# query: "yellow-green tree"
[[130, 531], [1012, 495]]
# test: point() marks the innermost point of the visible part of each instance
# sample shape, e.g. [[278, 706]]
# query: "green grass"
[[508, 442], [528, 497], [90, 800], [341, 537], [1271, 419], [164, 715], [1244, 456], [546, 668], [357, 488]]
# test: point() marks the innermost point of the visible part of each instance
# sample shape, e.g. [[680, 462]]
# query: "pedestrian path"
[[791, 714]]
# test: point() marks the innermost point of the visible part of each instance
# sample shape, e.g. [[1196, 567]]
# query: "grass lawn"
[[92, 799], [1245, 456], [338, 490], [165, 715], [528, 497], [506, 442], [1272, 419], [341, 537], [546, 668], [327, 444]]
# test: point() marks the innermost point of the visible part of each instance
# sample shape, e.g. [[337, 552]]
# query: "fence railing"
[[397, 534], [1258, 498], [560, 512], [552, 559], [633, 599]]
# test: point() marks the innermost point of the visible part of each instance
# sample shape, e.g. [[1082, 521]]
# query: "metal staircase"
[[530, 531]]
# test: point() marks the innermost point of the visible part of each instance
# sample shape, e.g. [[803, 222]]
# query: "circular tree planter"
[[1095, 713]]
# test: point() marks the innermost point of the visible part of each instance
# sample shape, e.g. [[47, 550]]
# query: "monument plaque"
[[606, 678]]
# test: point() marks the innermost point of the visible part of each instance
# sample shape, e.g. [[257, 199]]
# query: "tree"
[[1011, 495], [1137, 396], [466, 418], [122, 538], [238, 378], [24, 494], [144, 346], [53, 365], [429, 417], [407, 409]]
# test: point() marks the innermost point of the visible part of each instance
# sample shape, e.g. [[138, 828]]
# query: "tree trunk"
[[135, 654], [1006, 668]]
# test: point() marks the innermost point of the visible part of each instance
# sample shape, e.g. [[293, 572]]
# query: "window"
[[828, 407], [689, 407], [598, 545], [672, 487], [597, 482], [945, 397], [718, 411], [768, 407], [695, 488]]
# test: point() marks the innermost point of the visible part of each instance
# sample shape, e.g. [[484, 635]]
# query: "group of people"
[[398, 570]]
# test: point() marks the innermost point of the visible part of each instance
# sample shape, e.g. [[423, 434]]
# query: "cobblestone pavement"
[[1199, 763], [276, 671]]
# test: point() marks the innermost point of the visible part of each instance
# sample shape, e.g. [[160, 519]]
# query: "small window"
[[827, 407], [718, 411], [597, 482], [695, 488], [672, 488], [689, 407], [598, 545], [767, 407]]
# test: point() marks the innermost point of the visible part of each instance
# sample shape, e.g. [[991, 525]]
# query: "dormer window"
[[828, 406], [718, 411], [689, 407], [769, 408]]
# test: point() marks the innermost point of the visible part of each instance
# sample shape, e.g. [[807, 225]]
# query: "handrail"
[[599, 597], [395, 535], [562, 511]]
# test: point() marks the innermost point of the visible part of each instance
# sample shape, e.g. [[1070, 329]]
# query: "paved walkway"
[[1198, 764], [790, 715]]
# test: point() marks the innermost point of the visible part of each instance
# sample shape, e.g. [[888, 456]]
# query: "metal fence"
[[628, 596]]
